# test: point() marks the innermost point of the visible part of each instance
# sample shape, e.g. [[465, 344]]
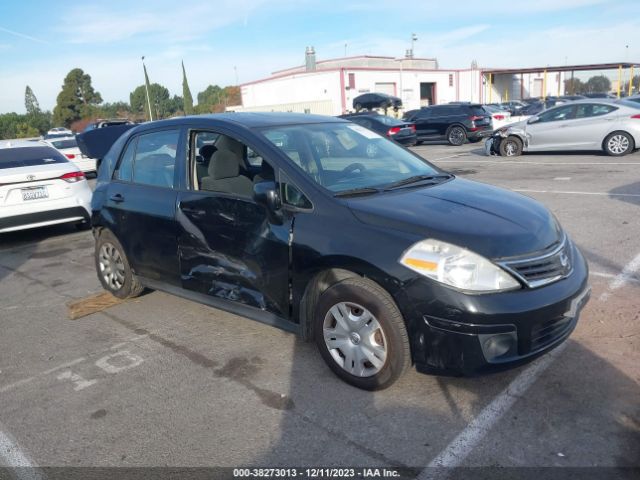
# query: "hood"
[[484, 219]]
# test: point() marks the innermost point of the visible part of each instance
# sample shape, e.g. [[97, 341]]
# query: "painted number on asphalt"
[[112, 363]]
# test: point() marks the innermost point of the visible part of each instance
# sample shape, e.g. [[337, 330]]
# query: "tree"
[[161, 102], [635, 87], [598, 83], [216, 99], [573, 86], [186, 94], [24, 130], [77, 98], [31, 102]]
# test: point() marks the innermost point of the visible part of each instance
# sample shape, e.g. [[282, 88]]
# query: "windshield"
[[29, 157], [345, 156], [66, 143]]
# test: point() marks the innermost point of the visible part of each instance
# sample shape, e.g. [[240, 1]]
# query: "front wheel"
[[456, 136], [618, 144], [510, 147], [113, 268], [361, 334]]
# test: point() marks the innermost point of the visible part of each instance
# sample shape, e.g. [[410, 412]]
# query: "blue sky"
[[40, 41]]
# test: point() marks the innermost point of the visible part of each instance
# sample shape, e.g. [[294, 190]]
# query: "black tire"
[[379, 303], [618, 144], [130, 286], [419, 142], [456, 135], [510, 147]]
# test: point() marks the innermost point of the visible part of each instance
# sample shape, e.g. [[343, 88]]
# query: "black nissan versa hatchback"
[[322, 227]]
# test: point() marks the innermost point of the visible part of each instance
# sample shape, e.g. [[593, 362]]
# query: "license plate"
[[34, 193]]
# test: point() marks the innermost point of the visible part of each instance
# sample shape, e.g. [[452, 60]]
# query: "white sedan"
[[39, 186], [68, 146]]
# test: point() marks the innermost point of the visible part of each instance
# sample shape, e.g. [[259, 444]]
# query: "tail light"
[[636, 116], [69, 155], [73, 177], [393, 131], [498, 117], [475, 117], [413, 128]]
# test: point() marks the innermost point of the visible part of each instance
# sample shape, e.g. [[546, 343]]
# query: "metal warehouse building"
[[328, 87]]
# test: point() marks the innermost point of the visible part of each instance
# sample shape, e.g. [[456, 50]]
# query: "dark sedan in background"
[[376, 100], [398, 130]]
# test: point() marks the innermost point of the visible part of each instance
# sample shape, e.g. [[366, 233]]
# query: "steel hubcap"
[[355, 339], [111, 266], [618, 144], [510, 148]]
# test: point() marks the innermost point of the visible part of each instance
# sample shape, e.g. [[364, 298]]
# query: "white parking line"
[[515, 162], [466, 441], [568, 192], [624, 277], [14, 457]]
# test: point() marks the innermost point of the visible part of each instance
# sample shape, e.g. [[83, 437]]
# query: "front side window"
[[556, 115], [344, 156], [155, 158]]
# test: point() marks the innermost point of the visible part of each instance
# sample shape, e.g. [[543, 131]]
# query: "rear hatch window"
[[478, 110], [29, 157], [66, 143]]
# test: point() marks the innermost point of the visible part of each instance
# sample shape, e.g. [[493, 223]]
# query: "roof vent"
[[310, 59]]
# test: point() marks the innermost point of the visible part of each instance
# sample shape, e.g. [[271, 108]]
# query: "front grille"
[[544, 268], [544, 333]]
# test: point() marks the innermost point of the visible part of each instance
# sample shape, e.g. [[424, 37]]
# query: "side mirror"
[[533, 119], [265, 193]]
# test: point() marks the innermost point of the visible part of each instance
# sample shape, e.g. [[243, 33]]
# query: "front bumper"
[[452, 331]]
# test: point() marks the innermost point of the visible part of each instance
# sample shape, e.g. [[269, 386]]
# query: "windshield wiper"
[[414, 179], [354, 192]]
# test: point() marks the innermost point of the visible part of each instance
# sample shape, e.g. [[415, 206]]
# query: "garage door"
[[386, 87]]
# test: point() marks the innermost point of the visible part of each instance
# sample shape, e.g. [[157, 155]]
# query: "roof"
[[351, 62], [21, 143], [246, 119], [561, 68]]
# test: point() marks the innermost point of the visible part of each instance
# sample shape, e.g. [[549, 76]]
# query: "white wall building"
[[328, 87]]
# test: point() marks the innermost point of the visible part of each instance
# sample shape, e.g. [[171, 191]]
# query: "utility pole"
[[146, 87]]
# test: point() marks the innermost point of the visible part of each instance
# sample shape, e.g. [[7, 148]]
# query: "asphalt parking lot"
[[161, 381]]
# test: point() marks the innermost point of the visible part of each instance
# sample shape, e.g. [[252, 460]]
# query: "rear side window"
[[593, 110], [29, 157], [155, 158], [125, 168]]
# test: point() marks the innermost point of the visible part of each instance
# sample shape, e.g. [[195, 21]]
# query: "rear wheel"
[[510, 147], [113, 268], [361, 334], [456, 135], [618, 144]]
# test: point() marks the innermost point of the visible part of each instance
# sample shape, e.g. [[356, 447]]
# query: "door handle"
[[193, 211], [116, 198]]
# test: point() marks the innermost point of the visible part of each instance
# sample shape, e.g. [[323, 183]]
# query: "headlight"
[[457, 267]]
